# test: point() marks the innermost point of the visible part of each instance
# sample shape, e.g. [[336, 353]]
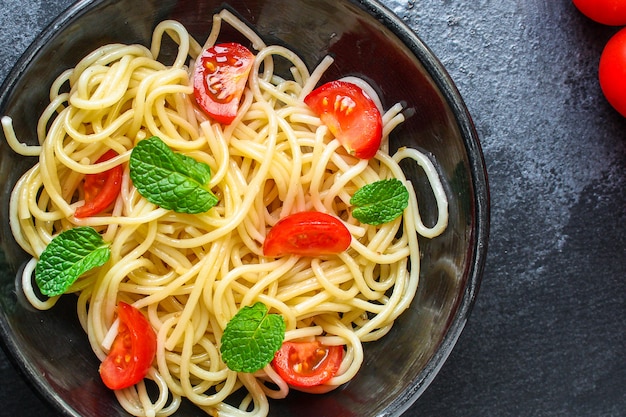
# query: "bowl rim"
[[479, 180]]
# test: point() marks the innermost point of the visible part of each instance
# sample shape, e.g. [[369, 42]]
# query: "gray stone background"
[[547, 336]]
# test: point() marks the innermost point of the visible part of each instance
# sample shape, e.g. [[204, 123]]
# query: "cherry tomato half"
[[307, 364], [351, 116], [307, 233], [219, 79], [101, 189], [607, 12], [132, 352], [612, 71]]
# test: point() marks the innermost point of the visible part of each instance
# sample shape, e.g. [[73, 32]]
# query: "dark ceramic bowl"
[[366, 39]]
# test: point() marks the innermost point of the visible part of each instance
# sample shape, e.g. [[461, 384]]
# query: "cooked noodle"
[[190, 274]]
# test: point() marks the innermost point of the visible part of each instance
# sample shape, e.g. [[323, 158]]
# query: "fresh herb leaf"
[[251, 338], [380, 202], [171, 180], [68, 256]]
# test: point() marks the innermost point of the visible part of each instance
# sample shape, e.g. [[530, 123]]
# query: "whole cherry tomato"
[[612, 71], [132, 352], [607, 12], [307, 364], [351, 116], [219, 79]]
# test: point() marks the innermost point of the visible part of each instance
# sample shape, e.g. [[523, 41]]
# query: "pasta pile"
[[189, 274]]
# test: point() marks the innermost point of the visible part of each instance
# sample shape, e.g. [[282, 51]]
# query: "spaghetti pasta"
[[190, 274]]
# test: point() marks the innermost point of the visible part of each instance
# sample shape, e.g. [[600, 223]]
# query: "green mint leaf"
[[171, 180], [68, 256], [251, 338], [380, 202]]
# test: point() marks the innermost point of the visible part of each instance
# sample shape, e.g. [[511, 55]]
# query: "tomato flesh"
[[607, 12], [350, 115], [219, 79], [132, 352], [307, 233], [307, 364], [101, 189], [612, 71]]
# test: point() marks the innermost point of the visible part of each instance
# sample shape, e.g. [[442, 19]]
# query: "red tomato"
[[307, 364], [351, 116], [607, 12], [101, 189], [307, 233], [220, 76], [132, 352], [612, 71]]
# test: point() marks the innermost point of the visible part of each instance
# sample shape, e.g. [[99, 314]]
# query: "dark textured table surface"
[[547, 336]]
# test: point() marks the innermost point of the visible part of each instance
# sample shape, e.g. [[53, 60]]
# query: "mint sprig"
[[68, 256], [170, 180], [251, 338], [380, 202]]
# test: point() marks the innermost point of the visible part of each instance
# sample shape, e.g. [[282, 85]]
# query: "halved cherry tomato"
[[351, 116], [307, 364], [612, 71], [132, 352], [101, 189], [307, 233], [220, 76], [607, 12]]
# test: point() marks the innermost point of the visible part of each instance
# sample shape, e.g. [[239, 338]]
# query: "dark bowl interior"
[[365, 39]]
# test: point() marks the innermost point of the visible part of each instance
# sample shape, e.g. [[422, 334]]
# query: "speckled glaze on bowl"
[[366, 39]]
